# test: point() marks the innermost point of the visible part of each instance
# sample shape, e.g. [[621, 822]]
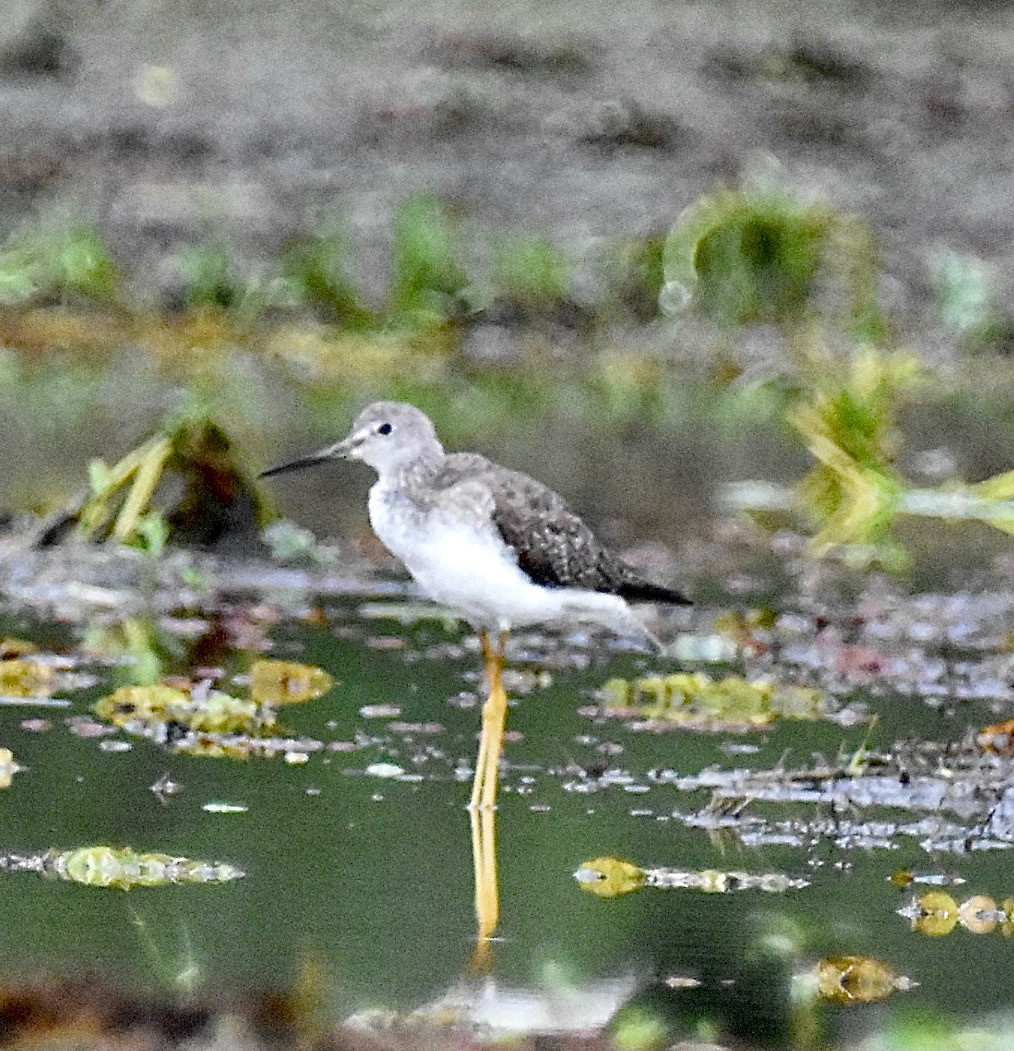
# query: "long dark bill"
[[297, 465]]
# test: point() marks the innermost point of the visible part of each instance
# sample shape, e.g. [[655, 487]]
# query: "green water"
[[372, 877]]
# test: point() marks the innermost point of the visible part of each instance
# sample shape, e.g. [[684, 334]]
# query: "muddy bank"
[[585, 122]]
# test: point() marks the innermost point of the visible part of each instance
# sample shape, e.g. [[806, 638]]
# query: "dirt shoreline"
[[586, 122]]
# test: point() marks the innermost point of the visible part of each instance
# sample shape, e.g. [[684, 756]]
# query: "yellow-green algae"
[[216, 724], [287, 682], [125, 868], [22, 677], [216, 713], [609, 877], [697, 699], [858, 979]]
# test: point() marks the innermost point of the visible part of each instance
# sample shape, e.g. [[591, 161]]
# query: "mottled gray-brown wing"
[[554, 547]]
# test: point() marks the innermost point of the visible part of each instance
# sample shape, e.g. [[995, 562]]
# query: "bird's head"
[[387, 435]]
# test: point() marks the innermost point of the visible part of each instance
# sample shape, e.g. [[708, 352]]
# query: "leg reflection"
[[487, 889]]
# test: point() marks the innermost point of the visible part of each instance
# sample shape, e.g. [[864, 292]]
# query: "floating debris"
[[936, 913], [997, 738], [218, 807], [408, 613], [906, 877], [703, 649], [390, 770], [380, 711], [24, 678], [8, 767], [858, 980], [287, 682], [165, 786], [927, 779], [980, 915], [240, 745], [611, 877], [216, 712], [122, 869], [697, 700]]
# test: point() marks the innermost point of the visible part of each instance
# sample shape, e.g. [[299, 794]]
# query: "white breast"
[[468, 567], [461, 564]]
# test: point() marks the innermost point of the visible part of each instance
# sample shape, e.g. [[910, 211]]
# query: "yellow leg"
[[494, 718], [482, 805], [487, 889]]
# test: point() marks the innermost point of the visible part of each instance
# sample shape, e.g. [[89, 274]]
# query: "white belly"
[[474, 573]]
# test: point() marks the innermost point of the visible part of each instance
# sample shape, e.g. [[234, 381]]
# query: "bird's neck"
[[410, 474]]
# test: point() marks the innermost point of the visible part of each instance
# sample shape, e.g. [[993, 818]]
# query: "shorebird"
[[497, 547]]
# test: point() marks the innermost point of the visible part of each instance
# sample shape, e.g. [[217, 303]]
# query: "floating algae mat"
[[208, 722], [858, 980], [122, 869], [698, 701], [24, 677], [611, 877]]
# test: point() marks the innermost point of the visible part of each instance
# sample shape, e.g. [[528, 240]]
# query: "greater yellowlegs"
[[499, 548]]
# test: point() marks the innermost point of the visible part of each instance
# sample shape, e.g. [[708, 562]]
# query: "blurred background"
[[680, 260], [582, 226]]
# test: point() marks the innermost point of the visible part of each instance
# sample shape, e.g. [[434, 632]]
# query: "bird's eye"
[[384, 428]]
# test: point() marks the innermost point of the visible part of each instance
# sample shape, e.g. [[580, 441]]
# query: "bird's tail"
[[611, 611], [645, 591]]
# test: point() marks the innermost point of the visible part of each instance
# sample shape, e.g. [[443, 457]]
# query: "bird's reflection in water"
[[487, 887]]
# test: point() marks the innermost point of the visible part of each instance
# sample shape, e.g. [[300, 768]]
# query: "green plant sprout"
[[531, 273], [316, 271], [54, 264], [209, 277], [428, 277], [762, 256], [846, 415], [218, 495], [135, 477]]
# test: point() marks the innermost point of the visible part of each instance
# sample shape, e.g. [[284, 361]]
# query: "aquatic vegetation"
[[858, 980], [23, 677], [697, 700], [428, 275], [609, 877], [138, 647], [937, 913], [846, 413], [612, 877], [215, 712], [120, 868], [219, 493], [315, 271], [275, 682], [746, 256], [56, 264], [207, 722], [847, 418]]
